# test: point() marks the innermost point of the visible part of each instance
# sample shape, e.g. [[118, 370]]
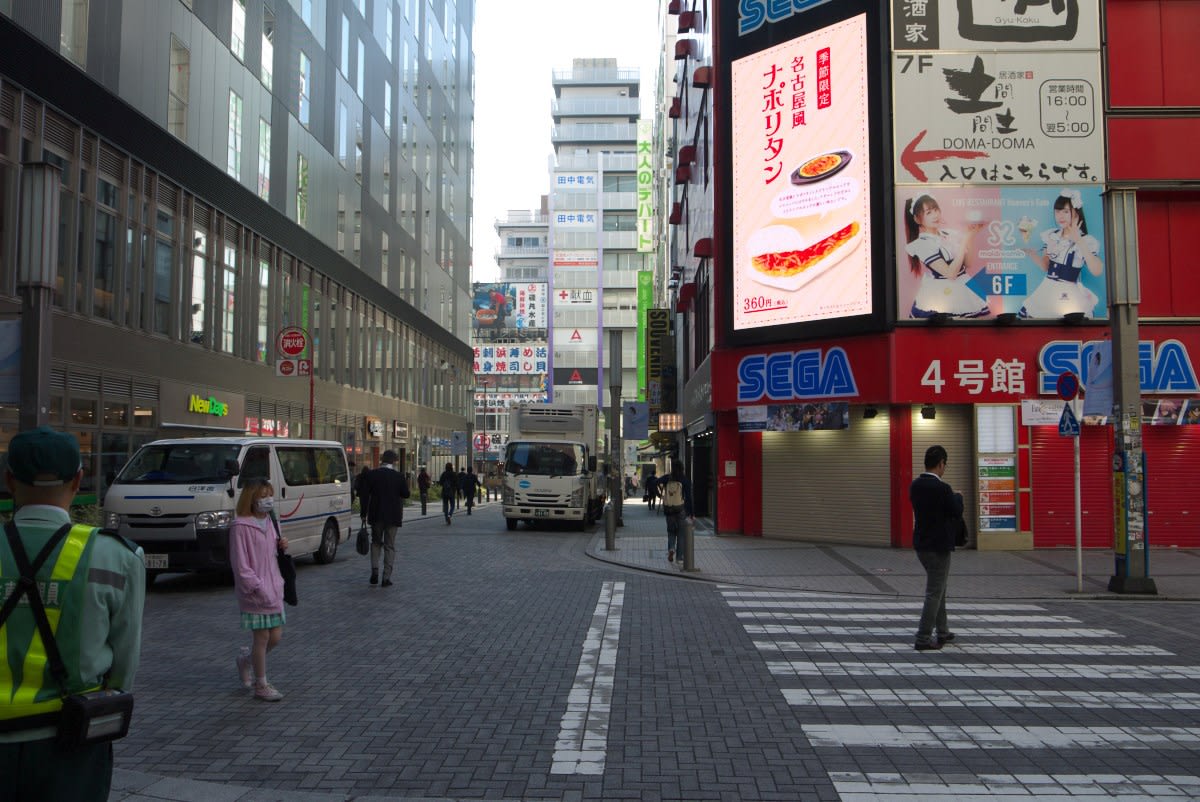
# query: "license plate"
[[156, 561], [540, 513]]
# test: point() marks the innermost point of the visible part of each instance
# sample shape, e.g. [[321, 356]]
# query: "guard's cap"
[[43, 457]]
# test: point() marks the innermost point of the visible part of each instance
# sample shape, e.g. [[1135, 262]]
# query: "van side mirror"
[[109, 476], [591, 463], [232, 468]]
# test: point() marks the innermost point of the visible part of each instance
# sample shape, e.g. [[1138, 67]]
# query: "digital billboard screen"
[[805, 136]]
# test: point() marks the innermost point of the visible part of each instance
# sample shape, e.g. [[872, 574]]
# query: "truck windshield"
[[179, 463], [543, 459]]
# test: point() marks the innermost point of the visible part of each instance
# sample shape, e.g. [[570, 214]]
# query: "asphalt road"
[[511, 666]]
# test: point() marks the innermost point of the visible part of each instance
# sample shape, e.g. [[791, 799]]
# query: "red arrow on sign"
[[911, 158]]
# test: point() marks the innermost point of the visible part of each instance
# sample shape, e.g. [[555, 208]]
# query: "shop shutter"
[[1172, 461], [829, 485], [953, 430], [1053, 487]]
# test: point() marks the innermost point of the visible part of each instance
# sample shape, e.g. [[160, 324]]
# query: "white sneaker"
[[267, 693], [244, 668]]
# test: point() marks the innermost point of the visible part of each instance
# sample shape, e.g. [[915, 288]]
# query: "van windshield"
[[543, 459], [179, 463]]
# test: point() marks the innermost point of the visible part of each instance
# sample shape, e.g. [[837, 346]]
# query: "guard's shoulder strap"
[[124, 541]]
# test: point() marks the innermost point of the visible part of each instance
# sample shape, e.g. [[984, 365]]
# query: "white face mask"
[[265, 504]]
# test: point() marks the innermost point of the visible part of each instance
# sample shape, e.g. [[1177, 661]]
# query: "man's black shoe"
[[931, 646], [947, 638], [374, 578], [387, 583]]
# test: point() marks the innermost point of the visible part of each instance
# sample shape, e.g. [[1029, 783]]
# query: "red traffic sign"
[[1067, 386], [292, 341]]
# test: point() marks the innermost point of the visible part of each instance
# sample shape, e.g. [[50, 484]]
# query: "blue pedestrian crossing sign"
[[1068, 424]]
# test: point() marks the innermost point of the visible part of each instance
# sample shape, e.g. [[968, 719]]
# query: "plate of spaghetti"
[[788, 262], [818, 168]]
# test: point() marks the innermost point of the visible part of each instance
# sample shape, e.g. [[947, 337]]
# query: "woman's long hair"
[[912, 229]]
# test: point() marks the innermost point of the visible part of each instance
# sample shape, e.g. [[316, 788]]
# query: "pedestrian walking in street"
[[468, 487], [678, 510], [652, 490], [383, 493], [100, 583], [935, 508], [253, 544], [423, 483], [449, 484]]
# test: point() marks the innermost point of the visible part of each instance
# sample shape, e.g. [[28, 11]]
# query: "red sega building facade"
[[816, 431]]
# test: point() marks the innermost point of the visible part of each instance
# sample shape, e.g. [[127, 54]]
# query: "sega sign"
[[1162, 367], [795, 375], [752, 14]]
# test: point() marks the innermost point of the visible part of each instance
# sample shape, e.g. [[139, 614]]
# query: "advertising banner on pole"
[[645, 299], [645, 186]]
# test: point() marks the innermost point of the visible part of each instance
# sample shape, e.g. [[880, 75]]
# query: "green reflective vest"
[[27, 687]]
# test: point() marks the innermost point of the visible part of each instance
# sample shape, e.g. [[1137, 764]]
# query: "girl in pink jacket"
[[253, 543]]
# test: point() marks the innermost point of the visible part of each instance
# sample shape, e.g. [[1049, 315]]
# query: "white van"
[[176, 498]]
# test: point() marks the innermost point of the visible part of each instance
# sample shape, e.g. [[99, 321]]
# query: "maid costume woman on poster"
[[1066, 251], [939, 257]]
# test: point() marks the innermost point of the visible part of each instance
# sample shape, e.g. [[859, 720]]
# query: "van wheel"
[[329, 544], [511, 523]]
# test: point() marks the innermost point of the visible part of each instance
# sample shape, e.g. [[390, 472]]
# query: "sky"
[[518, 45]]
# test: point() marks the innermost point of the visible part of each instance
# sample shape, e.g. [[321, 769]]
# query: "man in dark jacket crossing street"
[[383, 492]]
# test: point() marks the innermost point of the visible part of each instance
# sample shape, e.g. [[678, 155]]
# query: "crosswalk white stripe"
[[860, 787], [915, 605], [944, 698], [823, 615], [908, 632], [583, 734], [936, 668], [1006, 737], [971, 648]]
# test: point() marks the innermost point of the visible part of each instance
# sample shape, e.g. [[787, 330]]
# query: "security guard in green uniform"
[[93, 588]]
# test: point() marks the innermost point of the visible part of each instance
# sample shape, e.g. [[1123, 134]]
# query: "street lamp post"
[[37, 261]]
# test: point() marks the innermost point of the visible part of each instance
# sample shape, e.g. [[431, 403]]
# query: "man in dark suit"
[[382, 496], [935, 505]]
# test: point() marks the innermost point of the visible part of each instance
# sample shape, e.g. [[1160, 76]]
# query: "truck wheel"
[[329, 544], [511, 523]]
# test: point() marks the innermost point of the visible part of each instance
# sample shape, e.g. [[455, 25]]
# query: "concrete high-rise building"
[[231, 168], [593, 214]]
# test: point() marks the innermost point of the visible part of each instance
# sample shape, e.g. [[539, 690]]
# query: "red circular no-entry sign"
[[1067, 386]]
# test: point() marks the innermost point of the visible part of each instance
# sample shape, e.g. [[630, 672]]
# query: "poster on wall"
[[978, 252], [997, 494], [496, 307], [998, 118], [801, 180], [995, 24], [794, 417]]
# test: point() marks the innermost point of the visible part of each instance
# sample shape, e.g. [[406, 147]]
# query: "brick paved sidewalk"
[[834, 568]]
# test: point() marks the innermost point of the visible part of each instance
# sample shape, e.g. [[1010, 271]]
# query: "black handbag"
[[363, 544], [958, 528], [287, 570]]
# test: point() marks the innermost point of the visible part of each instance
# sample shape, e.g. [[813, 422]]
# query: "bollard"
[[689, 544], [610, 528]]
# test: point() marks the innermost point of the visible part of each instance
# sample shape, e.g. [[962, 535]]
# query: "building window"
[[264, 159], [177, 89], [305, 87], [228, 297], [387, 107], [73, 40], [267, 61], [105, 264], [360, 80], [301, 190], [306, 12], [199, 286], [343, 135], [345, 62], [164, 260], [237, 29], [358, 153], [389, 22], [264, 296], [233, 164]]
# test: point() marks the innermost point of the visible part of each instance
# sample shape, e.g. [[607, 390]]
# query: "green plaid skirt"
[[262, 620]]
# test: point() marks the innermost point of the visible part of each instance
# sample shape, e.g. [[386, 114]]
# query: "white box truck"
[[550, 465]]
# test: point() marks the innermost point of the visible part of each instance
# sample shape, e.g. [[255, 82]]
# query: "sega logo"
[[753, 13], [796, 375], [1165, 369]]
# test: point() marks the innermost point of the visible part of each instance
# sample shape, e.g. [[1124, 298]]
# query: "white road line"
[[908, 632], [816, 646], [944, 698], [937, 668], [583, 734], [872, 787], [800, 604], [875, 615], [985, 737]]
